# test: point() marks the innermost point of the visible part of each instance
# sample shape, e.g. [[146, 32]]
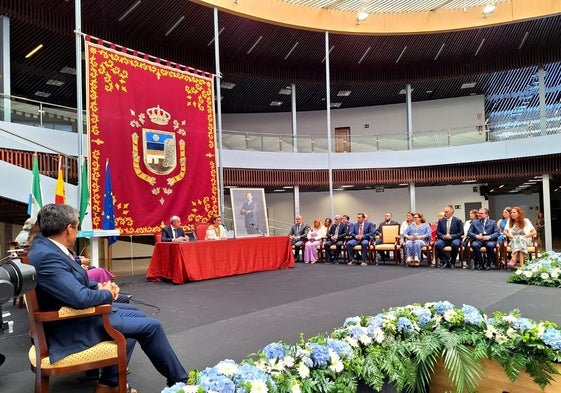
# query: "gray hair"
[[53, 219]]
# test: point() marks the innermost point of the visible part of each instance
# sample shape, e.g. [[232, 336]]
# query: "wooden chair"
[[106, 353], [426, 252], [506, 252], [390, 242], [448, 250], [484, 255]]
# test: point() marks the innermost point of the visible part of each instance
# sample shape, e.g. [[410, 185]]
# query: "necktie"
[[448, 224], [484, 222], [298, 229], [360, 230]]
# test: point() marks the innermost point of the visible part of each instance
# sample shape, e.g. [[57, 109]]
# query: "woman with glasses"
[[417, 235]]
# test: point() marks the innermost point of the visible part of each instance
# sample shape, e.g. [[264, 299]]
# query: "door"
[[343, 140]]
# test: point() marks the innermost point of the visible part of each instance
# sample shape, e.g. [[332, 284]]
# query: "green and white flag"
[[35, 202]]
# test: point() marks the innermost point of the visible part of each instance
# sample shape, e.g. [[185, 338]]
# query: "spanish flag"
[[60, 195]]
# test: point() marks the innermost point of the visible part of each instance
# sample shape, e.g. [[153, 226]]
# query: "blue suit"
[[62, 282], [368, 233], [455, 241], [167, 233], [486, 228]]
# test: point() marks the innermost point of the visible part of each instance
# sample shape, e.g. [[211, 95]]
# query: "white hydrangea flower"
[[528, 274], [365, 339], [295, 387], [336, 362], [518, 272], [351, 341], [191, 389], [227, 368], [544, 276], [510, 318], [501, 338], [490, 332], [511, 333], [288, 361], [258, 386], [555, 273], [379, 335], [303, 370], [449, 315]]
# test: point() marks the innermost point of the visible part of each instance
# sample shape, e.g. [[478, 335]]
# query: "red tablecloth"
[[203, 259]]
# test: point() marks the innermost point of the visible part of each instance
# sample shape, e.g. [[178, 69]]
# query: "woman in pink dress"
[[315, 237]]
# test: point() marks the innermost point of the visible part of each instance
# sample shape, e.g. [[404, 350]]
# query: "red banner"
[[155, 124]]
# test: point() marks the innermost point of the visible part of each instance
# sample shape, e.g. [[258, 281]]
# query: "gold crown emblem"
[[158, 115]]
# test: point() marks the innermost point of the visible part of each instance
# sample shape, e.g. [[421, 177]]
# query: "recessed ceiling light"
[[55, 82], [42, 94], [429, 92], [288, 187], [227, 85], [276, 103], [129, 10], [286, 91], [335, 104], [279, 190], [469, 85], [469, 181], [347, 186], [33, 51], [344, 93], [68, 70], [403, 91]]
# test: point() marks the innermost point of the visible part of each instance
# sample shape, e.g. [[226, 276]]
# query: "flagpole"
[[79, 103]]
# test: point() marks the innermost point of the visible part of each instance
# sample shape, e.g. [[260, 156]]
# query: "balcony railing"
[[40, 114]]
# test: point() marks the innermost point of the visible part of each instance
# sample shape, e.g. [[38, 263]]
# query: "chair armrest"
[[71, 313]]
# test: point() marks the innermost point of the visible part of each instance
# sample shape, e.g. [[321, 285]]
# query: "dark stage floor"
[[231, 317]]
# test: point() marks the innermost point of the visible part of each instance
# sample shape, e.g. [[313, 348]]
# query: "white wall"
[[530, 203], [386, 119]]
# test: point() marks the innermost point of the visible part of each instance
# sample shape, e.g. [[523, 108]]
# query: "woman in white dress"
[[520, 232], [216, 230], [315, 237]]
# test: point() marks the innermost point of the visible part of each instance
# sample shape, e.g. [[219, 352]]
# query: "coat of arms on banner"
[[163, 149]]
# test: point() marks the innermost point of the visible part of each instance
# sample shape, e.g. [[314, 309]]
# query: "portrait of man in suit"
[[249, 212]]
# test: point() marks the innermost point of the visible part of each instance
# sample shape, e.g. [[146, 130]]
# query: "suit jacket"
[[368, 230], [456, 228], [490, 229], [62, 282], [300, 233], [167, 233], [343, 232]]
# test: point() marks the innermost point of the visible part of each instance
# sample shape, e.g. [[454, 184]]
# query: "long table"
[[204, 259]]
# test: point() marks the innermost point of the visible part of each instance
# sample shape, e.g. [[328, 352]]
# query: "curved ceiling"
[[259, 60]]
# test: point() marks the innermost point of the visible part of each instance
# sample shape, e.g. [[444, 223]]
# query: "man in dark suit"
[[298, 234], [385, 255], [62, 282], [361, 233], [335, 236], [449, 232], [173, 232], [484, 233], [248, 211]]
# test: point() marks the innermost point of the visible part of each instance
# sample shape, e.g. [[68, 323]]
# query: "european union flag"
[[108, 221]]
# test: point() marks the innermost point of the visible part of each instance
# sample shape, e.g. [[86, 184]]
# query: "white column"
[[546, 209], [5, 86]]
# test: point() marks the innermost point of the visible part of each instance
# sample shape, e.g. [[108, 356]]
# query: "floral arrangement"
[[545, 271], [400, 346]]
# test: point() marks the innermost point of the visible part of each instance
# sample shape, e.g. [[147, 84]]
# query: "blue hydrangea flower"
[[522, 324], [472, 315], [552, 337], [341, 348], [423, 314], [442, 307], [320, 354], [377, 321], [210, 380], [404, 325], [274, 351], [352, 321], [249, 374]]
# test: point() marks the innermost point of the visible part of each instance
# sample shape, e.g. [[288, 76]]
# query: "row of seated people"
[[478, 241]]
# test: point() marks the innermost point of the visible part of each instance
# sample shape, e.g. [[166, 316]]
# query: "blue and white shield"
[[160, 152]]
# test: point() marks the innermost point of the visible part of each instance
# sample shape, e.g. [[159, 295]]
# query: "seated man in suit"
[[449, 232], [297, 235], [361, 233], [335, 236], [173, 232], [483, 232], [62, 282], [385, 255]]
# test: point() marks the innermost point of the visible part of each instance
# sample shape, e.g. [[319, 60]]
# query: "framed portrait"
[[249, 211]]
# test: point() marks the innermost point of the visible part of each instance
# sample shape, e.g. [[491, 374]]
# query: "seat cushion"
[[102, 351]]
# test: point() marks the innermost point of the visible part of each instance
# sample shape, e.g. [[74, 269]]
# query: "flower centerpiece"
[[545, 271], [400, 347]]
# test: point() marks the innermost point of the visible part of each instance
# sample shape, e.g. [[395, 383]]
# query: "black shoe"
[[487, 267], [444, 266], [452, 266]]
